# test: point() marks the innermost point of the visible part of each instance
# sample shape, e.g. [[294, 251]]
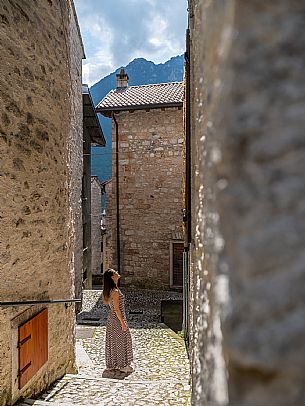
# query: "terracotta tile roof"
[[145, 96]]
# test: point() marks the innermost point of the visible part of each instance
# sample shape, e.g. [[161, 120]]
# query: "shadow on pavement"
[[115, 374]]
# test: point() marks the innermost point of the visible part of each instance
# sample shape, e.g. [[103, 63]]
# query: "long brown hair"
[[108, 284]]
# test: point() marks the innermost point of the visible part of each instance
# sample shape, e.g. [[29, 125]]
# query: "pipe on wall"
[[187, 190], [118, 241]]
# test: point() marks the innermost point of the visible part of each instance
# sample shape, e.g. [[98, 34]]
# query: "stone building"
[[41, 142], [147, 182], [246, 201], [96, 231], [107, 225]]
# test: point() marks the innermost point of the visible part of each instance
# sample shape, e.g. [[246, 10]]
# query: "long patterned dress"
[[118, 352]]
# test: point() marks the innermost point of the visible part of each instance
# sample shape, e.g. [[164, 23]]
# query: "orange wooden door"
[[33, 346]]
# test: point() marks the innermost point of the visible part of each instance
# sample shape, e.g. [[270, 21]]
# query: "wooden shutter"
[[33, 346], [178, 264]]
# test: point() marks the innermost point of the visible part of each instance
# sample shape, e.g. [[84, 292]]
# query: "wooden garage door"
[[33, 346], [178, 264]]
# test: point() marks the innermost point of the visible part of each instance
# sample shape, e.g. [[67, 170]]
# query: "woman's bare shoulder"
[[115, 292], [115, 296]]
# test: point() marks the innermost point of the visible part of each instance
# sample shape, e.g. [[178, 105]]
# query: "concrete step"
[[33, 402]]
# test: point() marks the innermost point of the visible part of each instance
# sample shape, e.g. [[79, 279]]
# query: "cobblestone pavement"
[[161, 375]]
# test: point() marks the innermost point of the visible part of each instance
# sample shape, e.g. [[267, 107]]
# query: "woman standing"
[[118, 352]]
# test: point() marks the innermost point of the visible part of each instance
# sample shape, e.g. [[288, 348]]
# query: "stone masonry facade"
[[107, 236], [96, 206], [41, 151], [248, 202], [76, 161], [150, 197]]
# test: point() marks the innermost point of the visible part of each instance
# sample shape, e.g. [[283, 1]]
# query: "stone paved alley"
[[161, 374]]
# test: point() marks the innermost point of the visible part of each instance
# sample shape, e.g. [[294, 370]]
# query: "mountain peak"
[[138, 60]]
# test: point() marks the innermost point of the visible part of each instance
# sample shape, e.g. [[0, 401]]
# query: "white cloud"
[[114, 33]]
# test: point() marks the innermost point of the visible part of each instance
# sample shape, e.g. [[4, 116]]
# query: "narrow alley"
[[161, 375], [157, 147]]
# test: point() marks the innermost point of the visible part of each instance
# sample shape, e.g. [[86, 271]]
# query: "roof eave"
[[90, 119], [106, 111]]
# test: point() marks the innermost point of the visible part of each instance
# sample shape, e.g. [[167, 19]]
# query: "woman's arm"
[[116, 304]]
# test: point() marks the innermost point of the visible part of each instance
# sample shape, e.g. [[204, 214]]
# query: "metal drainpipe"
[[118, 242], [187, 211], [188, 201]]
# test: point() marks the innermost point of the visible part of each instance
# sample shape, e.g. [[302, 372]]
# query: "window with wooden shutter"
[[177, 264], [33, 346]]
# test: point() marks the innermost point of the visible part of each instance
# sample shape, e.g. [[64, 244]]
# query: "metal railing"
[[36, 302]]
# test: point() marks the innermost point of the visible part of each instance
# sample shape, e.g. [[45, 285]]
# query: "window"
[[176, 256]]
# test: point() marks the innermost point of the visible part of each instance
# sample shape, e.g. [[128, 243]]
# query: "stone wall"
[[248, 202], [96, 206], [210, 42], [40, 109], [107, 236], [85, 278], [76, 161], [151, 165]]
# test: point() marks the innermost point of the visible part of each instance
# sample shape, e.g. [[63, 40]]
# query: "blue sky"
[[115, 32]]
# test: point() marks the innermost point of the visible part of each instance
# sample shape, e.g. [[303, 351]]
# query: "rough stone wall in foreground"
[[40, 114], [263, 159], [210, 29], [150, 194], [249, 99]]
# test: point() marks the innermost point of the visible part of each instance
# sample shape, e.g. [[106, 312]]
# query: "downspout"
[[187, 188], [188, 140], [118, 242]]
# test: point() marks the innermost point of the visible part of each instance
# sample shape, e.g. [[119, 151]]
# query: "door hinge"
[[20, 343], [22, 371]]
